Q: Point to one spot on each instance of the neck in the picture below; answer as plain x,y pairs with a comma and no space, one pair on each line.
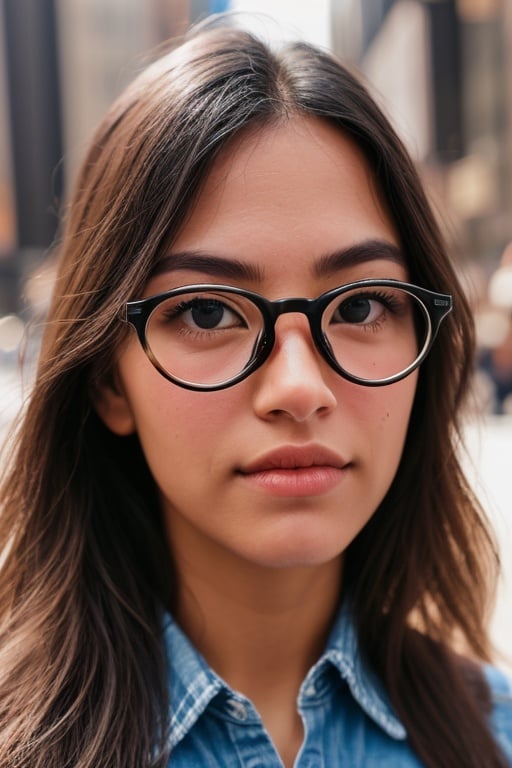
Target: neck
260,629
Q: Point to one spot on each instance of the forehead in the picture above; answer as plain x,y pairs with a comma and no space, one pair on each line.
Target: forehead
286,193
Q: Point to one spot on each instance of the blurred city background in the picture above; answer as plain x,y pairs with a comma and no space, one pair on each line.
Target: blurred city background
441,69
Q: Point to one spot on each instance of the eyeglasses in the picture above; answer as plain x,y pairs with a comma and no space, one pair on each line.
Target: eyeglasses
209,337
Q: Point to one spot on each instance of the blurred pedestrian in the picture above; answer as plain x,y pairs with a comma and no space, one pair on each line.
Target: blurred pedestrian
495,358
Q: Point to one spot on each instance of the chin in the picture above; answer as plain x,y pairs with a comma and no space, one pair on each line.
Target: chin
291,553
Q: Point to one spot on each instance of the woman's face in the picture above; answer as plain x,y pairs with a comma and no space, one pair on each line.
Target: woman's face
285,468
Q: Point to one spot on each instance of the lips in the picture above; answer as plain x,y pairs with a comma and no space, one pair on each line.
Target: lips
295,457
296,471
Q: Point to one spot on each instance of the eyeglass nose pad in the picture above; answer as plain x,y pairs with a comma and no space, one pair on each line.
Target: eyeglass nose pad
323,345
261,347
327,345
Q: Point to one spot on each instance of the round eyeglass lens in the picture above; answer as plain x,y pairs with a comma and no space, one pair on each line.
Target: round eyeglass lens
204,338
376,332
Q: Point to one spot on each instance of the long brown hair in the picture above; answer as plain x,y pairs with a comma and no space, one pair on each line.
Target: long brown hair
85,572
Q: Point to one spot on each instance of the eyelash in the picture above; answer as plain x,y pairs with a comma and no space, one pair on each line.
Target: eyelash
389,303
185,306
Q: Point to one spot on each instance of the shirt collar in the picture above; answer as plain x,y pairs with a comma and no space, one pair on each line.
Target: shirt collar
343,652
193,684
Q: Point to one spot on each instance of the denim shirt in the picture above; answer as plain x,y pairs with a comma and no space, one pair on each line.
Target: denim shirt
347,717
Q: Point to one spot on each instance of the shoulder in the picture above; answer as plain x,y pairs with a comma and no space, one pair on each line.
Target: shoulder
500,686
499,683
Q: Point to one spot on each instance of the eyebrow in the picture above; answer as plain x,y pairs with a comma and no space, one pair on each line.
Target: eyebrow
354,255
216,266
234,269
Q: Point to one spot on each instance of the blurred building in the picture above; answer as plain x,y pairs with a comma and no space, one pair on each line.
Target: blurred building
62,63
442,69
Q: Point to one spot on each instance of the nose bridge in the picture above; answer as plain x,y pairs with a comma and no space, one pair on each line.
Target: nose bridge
299,306
284,306
293,382
296,340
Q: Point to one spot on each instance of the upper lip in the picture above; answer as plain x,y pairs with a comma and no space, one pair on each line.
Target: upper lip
295,457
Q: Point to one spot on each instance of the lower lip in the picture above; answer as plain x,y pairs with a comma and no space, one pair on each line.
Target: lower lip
304,481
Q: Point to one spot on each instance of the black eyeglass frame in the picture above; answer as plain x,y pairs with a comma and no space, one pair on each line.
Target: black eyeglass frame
435,306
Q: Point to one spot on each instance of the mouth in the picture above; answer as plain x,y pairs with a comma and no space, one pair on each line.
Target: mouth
296,471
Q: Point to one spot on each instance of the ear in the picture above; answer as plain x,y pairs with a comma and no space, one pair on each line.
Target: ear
112,405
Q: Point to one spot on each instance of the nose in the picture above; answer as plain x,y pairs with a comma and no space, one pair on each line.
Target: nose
292,381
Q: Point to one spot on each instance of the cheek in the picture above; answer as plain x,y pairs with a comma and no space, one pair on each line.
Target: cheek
194,413
393,424
381,419
177,427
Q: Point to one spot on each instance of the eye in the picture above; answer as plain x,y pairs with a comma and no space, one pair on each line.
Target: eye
207,314
358,310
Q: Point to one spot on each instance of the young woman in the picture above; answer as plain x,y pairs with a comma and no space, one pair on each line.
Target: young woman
235,528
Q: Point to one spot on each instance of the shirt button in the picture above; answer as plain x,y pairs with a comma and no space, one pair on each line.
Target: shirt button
236,709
